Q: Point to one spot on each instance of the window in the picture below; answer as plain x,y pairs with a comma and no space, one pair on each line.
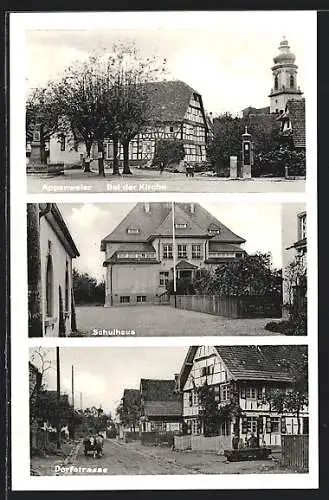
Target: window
182,252
141,298
171,129
67,291
251,424
276,82
124,299
62,142
292,82
251,393
225,392
217,393
133,230
180,226
49,286
167,251
196,251
164,278
195,398
275,424
207,370
195,427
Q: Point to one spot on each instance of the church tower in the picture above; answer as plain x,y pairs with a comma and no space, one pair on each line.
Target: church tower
284,74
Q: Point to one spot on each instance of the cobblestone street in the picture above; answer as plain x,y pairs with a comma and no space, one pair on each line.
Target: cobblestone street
164,320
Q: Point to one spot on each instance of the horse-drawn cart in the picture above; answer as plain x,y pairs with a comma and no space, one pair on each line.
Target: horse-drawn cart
93,445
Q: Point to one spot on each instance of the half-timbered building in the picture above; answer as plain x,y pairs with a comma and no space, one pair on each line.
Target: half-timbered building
239,378
139,253
176,112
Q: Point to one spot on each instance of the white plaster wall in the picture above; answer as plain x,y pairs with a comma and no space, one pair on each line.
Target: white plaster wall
59,258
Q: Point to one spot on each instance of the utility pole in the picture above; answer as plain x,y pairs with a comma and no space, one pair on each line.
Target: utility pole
73,386
58,368
81,400
174,247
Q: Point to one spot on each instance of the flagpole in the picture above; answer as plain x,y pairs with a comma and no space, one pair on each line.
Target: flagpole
174,247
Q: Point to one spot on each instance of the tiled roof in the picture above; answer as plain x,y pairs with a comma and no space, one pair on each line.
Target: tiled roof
297,117
250,363
163,408
159,216
169,100
136,247
131,396
216,246
158,390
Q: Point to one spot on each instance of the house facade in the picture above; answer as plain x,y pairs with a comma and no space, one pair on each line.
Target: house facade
294,243
239,377
140,252
55,253
161,406
176,112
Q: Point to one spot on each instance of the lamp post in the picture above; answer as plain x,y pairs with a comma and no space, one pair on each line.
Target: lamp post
246,155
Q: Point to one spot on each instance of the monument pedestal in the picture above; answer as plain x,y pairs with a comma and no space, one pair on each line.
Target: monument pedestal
233,167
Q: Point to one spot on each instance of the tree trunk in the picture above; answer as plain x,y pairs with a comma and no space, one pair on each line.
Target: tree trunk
101,171
298,422
115,156
34,271
126,169
87,163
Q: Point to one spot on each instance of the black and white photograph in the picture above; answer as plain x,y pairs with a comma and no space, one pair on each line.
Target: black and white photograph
228,409
166,269
170,102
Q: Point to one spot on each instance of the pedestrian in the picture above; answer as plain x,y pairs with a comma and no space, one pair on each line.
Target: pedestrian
253,442
235,441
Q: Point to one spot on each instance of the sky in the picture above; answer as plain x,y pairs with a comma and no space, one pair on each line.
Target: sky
102,373
259,224
225,56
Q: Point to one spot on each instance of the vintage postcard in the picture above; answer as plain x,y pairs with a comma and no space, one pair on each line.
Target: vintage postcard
163,250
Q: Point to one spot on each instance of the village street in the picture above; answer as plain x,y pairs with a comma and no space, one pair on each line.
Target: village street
135,459
162,321
153,182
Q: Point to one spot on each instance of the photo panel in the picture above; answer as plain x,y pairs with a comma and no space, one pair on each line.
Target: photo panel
166,269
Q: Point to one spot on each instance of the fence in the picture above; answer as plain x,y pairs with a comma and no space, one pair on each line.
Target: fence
231,307
154,438
202,443
295,452
129,436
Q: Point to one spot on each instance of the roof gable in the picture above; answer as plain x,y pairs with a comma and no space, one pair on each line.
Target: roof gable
245,363
168,100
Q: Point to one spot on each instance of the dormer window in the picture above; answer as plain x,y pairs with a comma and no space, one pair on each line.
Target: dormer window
180,226
133,230
212,230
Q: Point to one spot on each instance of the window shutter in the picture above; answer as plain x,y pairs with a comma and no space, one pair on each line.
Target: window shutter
259,393
260,427
283,425
268,425
244,425
243,392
